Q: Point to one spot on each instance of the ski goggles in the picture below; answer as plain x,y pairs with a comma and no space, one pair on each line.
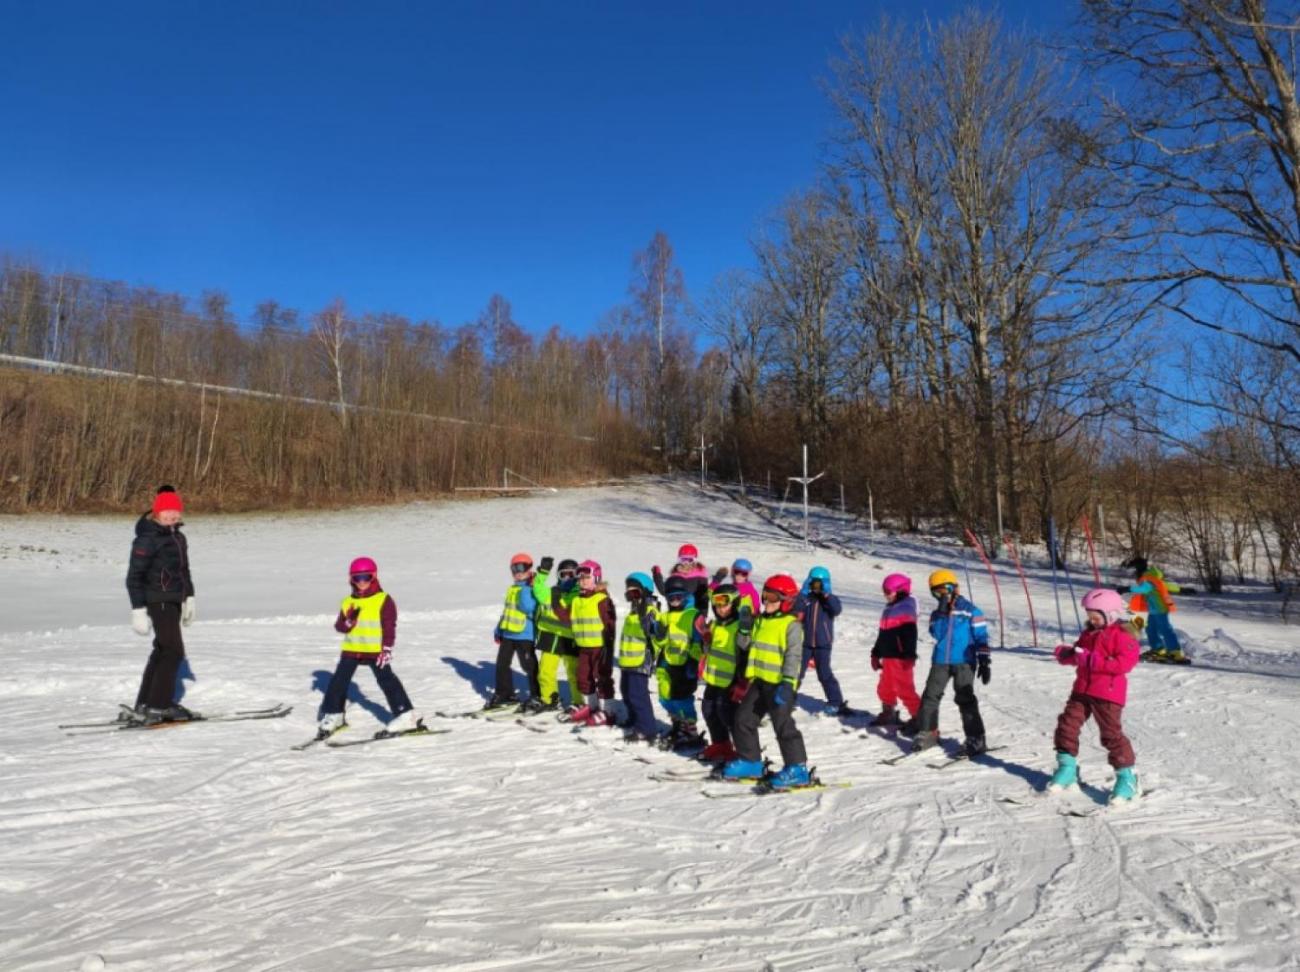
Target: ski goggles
568,573
363,578
943,590
584,572
722,600
520,568
635,593
685,560
772,597
739,573
677,597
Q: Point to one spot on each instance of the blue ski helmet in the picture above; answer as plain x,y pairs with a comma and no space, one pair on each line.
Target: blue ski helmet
743,565
642,581
818,574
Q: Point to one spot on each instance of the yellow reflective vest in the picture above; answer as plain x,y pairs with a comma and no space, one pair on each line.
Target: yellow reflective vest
767,649
547,620
367,635
676,642
588,626
513,619
720,661
632,642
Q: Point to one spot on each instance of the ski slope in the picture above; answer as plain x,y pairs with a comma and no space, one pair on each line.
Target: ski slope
214,847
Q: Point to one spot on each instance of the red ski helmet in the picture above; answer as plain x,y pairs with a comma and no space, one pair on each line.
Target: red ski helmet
362,565
521,560
897,584
688,550
785,587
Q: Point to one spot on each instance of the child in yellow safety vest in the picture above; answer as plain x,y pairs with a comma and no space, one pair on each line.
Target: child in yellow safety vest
591,617
554,638
680,648
515,634
636,658
368,622
775,660
726,644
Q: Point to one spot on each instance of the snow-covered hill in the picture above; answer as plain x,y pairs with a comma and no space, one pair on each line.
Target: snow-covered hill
215,847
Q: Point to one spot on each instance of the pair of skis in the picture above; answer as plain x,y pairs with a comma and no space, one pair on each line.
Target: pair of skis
381,736
945,763
1066,806
129,720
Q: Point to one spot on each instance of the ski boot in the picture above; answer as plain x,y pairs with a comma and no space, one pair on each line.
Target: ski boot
1126,787
1067,773
910,728
329,724
791,777
718,752
1176,657
632,738
888,717
743,770
974,746
831,709
577,713
925,739
688,737
1154,655
536,706
408,721
599,717
500,701
129,714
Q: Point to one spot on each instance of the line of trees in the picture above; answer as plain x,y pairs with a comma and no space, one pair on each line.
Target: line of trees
1030,281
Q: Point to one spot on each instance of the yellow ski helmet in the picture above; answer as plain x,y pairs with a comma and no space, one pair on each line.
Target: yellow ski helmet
943,578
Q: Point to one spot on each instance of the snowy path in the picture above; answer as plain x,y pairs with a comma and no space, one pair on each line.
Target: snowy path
216,848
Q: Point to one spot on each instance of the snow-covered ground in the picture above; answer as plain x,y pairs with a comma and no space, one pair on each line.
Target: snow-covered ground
215,847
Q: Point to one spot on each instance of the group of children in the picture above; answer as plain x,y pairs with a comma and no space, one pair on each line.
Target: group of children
751,648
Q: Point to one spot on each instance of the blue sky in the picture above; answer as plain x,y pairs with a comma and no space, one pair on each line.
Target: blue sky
411,157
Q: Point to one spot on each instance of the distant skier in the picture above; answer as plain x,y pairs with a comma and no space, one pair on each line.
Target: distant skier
772,670
961,653
1103,655
515,635
636,658
817,609
894,655
1154,594
161,589
593,620
367,620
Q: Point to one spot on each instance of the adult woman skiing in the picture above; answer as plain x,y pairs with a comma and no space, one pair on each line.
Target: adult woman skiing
161,589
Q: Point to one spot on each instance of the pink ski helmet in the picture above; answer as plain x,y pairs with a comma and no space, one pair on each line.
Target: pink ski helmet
363,565
591,567
1106,601
897,584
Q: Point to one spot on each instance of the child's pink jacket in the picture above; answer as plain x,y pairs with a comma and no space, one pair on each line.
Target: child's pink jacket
1103,659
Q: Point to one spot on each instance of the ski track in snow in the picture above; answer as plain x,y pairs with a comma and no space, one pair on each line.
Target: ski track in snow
217,848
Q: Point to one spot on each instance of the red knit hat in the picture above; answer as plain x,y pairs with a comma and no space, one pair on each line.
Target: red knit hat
167,500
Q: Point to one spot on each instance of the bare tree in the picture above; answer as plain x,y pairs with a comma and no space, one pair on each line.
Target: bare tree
332,330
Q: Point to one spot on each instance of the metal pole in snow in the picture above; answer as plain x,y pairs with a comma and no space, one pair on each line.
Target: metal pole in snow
1001,532
843,508
701,460
871,512
805,495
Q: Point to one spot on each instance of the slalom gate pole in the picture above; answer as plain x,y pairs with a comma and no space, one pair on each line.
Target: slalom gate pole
970,588
997,591
1065,569
1056,588
1015,558
1092,550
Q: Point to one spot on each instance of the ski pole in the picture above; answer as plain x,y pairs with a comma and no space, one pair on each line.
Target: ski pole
1015,558
1056,588
1065,569
997,591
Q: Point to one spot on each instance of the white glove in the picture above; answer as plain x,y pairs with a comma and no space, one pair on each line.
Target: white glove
140,622
187,611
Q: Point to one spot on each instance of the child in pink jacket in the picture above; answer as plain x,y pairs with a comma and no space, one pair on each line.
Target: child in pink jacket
1103,655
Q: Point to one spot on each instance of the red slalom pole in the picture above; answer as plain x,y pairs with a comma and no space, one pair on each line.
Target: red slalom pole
1015,557
997,591
1092,551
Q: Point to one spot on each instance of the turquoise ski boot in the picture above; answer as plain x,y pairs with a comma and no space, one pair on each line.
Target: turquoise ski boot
791,777
1126,788
1067,773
